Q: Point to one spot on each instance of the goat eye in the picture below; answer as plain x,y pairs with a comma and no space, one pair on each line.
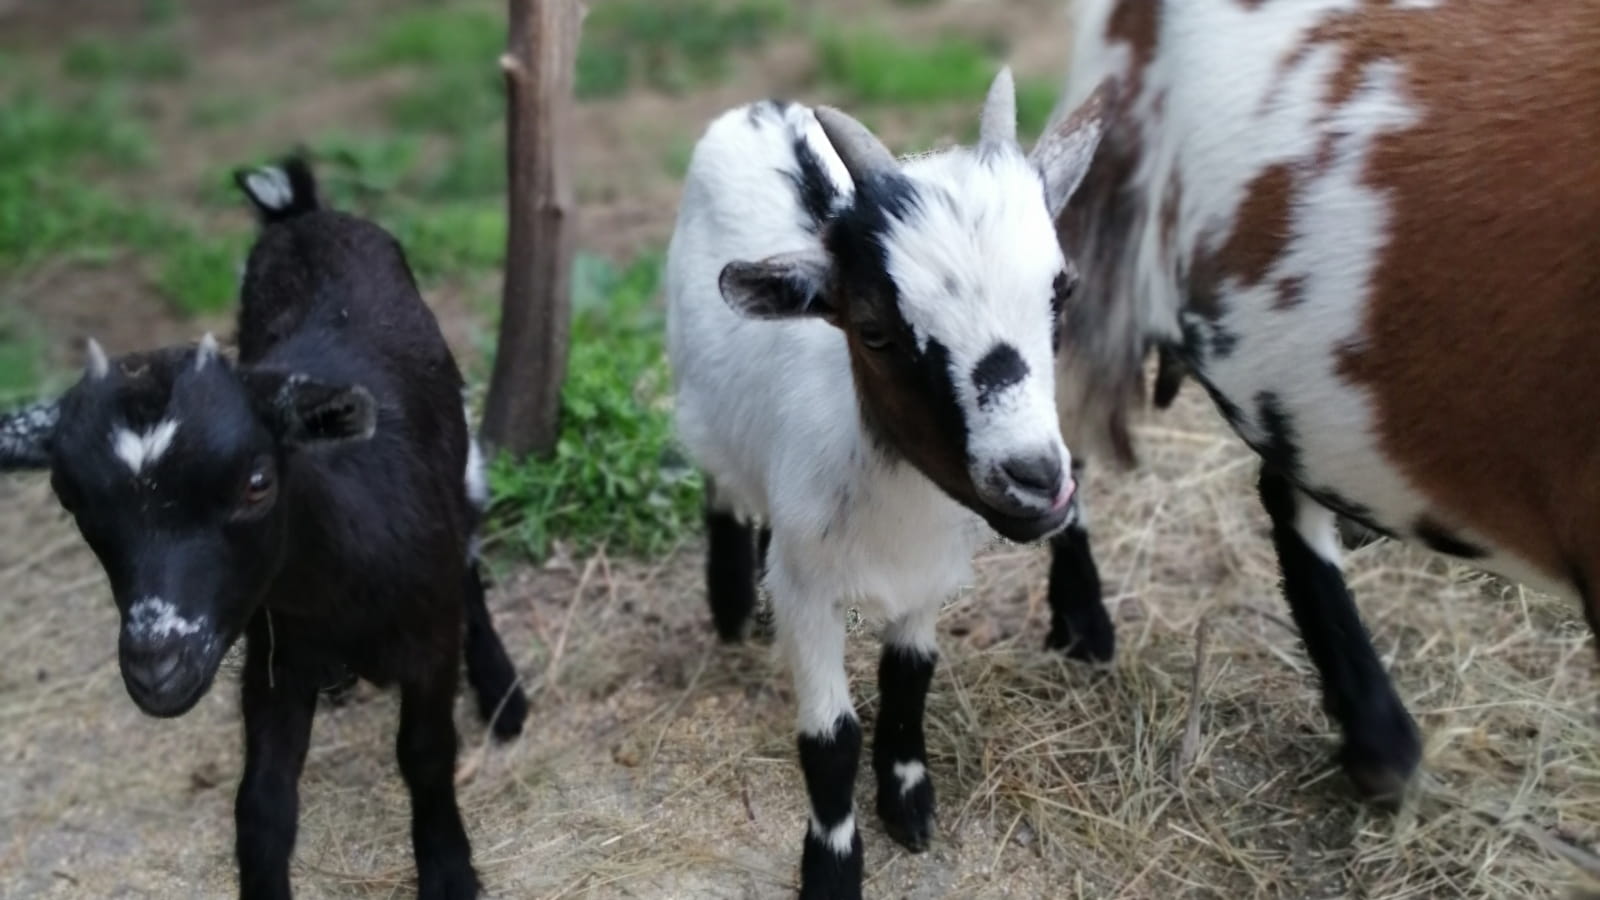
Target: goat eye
259,486
872,337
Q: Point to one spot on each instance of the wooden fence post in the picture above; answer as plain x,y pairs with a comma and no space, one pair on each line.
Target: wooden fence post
522,413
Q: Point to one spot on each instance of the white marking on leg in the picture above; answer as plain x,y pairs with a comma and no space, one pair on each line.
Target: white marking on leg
477,477
916,630
1318,527
140,450
840,838
270,186
154,617
911,774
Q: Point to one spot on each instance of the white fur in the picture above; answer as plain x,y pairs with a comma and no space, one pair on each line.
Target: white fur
910,774
140,450
477,475
1229,109
840,837
153,617
207,351
270,186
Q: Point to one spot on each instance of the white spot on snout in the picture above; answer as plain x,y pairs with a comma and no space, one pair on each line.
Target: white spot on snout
911,774
140,450
154,617
838,838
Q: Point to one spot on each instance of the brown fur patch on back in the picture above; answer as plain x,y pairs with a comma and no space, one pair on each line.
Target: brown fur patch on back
1483,324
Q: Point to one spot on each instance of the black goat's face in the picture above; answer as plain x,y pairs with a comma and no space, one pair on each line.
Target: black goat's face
171,463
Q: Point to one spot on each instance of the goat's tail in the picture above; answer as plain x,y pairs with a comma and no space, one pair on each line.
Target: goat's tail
280,191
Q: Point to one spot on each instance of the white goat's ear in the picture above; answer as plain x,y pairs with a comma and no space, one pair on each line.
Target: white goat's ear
1064,152
301,410
785,286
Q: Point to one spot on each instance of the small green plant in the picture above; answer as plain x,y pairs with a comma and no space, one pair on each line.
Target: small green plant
451,240
153,58
475,168
615,478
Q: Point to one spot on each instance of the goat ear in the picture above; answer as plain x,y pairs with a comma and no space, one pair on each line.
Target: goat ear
303,411
785,286
1066,149
25,436
279,191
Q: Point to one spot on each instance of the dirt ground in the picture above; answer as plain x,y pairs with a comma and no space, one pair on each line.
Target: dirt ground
659,764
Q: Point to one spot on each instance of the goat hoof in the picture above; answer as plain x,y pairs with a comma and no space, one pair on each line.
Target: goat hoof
907,813
1381,760
512,713
1092,641
452,883
827,874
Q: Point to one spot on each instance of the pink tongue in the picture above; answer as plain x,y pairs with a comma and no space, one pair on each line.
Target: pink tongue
1066,496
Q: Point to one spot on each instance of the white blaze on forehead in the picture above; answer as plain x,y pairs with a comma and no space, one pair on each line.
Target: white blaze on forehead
154,617
975,266
143,449
840,837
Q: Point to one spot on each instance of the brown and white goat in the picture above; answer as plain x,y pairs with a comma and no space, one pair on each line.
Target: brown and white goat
1371,230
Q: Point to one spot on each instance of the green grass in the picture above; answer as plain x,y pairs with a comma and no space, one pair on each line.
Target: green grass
669,46
475,168
869,66
432,37
22,359
451,240
143,58
199,274
615,477
450,101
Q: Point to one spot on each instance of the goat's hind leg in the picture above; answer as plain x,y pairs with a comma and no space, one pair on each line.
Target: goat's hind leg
732,566
1381,746
501,701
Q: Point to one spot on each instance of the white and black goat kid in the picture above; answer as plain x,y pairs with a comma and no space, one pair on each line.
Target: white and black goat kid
310,498
862,352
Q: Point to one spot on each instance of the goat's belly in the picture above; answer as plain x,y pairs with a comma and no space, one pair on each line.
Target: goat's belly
1319,430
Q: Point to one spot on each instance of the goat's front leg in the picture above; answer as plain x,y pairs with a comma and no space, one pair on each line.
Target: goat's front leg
1079,624
427,752
899,755
279,702
812,632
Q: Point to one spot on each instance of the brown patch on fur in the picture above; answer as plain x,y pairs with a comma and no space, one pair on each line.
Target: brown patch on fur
1483,322
1136,23
1261,229
1291,293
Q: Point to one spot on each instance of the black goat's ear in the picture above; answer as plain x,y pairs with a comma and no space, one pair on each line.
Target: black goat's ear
785,286
303,411
25,436
280,191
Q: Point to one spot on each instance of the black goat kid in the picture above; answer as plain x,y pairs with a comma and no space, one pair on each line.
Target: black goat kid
319,498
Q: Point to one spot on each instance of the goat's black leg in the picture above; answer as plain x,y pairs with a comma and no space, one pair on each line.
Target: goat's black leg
489,670
1079,623
1381,746
279,703
899,754
731,567
427,752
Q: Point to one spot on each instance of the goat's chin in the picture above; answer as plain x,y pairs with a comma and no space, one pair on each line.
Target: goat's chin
174,703
1028,529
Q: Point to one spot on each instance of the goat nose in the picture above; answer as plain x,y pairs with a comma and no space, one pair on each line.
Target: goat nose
1039,475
